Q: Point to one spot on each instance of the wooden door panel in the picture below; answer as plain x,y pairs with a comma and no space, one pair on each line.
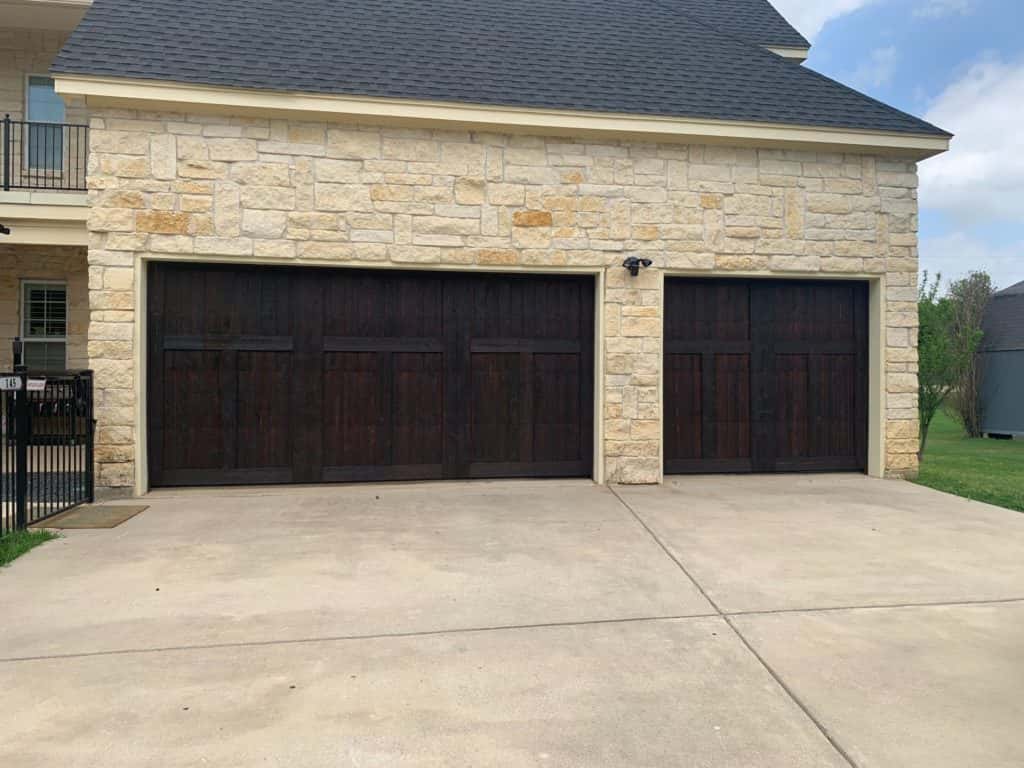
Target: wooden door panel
783,375
832,380
557,420
355,410
264,418
531,390
731,407
792,416
192,395
418,416
496,412
264,374
683,408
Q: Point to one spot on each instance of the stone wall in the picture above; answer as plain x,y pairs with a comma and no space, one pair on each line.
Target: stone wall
19,263
176,186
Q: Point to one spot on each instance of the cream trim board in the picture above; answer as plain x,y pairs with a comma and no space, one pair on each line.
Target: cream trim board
177,97
140,362
877,416
44,218
29,232
60,15
665,274
382,265
790,52
54,206
141,432
877,419
600,470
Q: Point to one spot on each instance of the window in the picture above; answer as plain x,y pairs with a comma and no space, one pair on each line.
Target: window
45,144
45,326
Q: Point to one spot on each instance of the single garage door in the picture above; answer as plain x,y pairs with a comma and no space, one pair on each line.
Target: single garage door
289,375
765,376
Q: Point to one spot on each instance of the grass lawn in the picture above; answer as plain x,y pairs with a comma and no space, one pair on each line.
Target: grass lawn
983,470
14,545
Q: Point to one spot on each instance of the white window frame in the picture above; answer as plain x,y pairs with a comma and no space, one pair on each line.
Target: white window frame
26,282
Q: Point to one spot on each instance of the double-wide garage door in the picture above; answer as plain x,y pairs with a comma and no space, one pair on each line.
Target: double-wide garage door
765,376
288,375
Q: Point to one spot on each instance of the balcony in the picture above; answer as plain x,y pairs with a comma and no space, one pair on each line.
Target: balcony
43,183
48,157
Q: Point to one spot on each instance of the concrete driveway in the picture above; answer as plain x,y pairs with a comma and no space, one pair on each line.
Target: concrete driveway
713,622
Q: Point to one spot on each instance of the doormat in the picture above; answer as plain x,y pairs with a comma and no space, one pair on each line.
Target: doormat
92,516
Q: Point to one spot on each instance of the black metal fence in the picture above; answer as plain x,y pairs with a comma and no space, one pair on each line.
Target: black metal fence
46,445
44,156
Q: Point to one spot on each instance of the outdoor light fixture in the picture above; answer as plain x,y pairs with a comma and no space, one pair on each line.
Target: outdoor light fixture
4,230
633,264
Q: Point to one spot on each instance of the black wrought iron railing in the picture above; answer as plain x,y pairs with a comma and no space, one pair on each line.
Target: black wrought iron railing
46,156
46,445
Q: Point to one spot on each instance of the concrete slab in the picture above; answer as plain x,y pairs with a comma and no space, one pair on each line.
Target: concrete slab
202,568
935,687
643,694
761,543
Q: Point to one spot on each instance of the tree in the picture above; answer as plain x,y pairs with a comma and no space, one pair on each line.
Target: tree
969,299
938,365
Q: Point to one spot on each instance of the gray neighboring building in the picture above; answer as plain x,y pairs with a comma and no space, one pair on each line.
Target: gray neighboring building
1002,389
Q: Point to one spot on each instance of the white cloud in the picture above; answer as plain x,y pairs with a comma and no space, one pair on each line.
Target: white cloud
937,9
957,254
982,177
877,69
809,16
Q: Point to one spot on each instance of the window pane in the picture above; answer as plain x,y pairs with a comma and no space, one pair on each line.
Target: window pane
45,356
45,142
45,311
44,104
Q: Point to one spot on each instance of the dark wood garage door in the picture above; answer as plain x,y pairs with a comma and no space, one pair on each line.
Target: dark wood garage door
765,376
281,375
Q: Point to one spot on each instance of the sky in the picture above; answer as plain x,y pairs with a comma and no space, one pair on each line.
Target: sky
960,65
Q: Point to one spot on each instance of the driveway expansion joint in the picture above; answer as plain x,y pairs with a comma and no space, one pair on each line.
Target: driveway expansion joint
353,638
726,618
878,607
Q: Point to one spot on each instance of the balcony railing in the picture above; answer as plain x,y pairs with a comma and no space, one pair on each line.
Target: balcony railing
44,156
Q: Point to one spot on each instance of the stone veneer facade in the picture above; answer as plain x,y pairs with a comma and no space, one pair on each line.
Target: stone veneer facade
221,188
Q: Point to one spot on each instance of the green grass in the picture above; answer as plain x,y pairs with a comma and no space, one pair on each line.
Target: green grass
14,545
983,470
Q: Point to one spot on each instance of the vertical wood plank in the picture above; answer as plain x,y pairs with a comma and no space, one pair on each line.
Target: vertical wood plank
526,410
763,376
307,308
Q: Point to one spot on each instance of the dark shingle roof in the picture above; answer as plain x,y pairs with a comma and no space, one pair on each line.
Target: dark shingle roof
645,57
755,21
1004,320
1014,290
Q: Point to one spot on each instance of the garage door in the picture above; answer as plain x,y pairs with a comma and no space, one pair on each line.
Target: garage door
765,376
280,375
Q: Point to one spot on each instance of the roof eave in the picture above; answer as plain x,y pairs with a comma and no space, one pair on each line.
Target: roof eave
790,52
188,97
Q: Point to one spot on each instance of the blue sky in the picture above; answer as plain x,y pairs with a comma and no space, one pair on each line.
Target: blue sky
959,64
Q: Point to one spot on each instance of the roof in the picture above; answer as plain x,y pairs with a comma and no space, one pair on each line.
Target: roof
1004,320
635,57
1014,290
755,21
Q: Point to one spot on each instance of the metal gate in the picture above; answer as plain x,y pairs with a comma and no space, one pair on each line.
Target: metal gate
46,445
